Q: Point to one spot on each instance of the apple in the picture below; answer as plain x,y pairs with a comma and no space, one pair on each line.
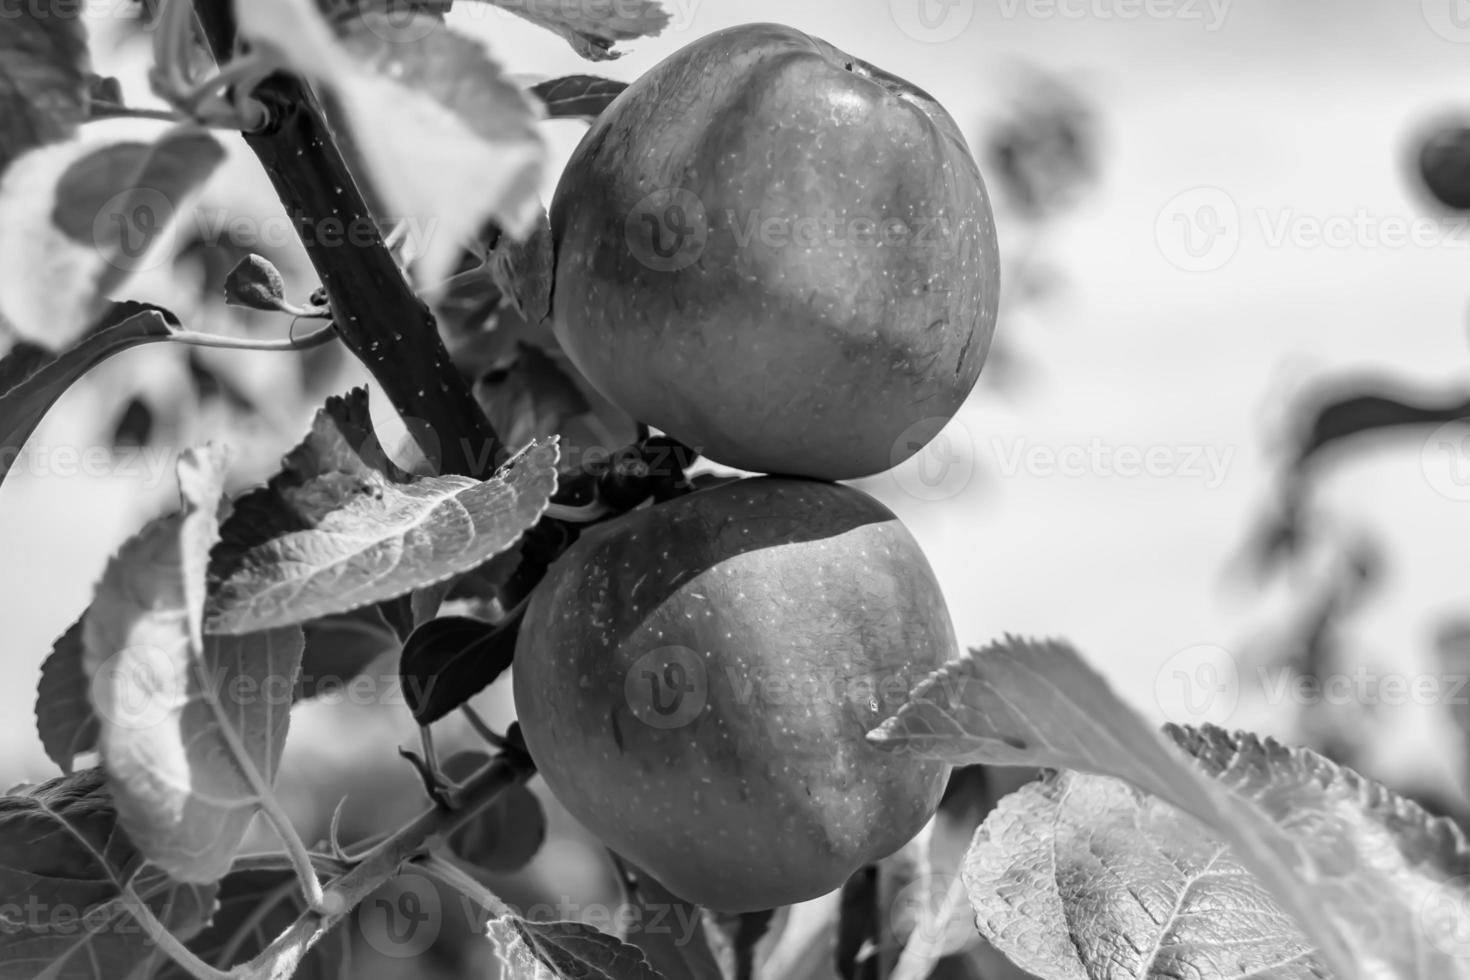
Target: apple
695,680
778,254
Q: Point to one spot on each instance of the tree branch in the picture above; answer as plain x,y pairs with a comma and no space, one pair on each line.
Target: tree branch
376,312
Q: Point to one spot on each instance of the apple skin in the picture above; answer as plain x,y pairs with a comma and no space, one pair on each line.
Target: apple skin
802,352
800,614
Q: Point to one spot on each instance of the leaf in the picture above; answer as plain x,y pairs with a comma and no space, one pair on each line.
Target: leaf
445,138
1026,703
134,427
64,862
583,96
64,717
592,28
340,527
255,283
504,836
529,397
191,730
448,661
254,908
31,381
78,219
1352,410
43,76
340,647
1086,878
570,949
523,270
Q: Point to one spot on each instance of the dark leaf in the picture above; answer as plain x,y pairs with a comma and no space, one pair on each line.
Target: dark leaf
64,716
448,661
530,397
43,75
583,96
1335,417
340,647
503,837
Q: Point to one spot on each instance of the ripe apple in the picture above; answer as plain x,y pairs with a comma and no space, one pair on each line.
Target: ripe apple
779,254
695,681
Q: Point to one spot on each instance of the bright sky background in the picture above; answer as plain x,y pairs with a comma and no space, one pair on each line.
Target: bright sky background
1282,112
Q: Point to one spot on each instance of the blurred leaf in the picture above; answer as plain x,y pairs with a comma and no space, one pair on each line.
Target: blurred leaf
442,134
448,661
341,527
104,88
1349,860
1444,166
668,931
64,716
31,381
583,96
254,908
592,29
529,397
1348,411
506,835
134,426
80,218
44,67
1082,877
64,862
209,385
191,729
735,937
340,647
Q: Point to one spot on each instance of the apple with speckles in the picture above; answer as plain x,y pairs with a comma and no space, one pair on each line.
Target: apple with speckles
695,681
779,254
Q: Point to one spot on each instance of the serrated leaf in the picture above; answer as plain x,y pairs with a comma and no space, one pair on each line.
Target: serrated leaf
64,863
341,527
31,380
504,836
80,218
578,96
64,717
1086,878
448,661
1038,704
254,908
340,647
191,730
570,949
592,28
44,69
446,139
256,284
